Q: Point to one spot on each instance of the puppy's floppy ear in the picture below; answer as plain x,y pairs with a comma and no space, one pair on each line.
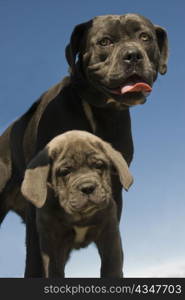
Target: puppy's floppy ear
73,48
119,163
163,48
34,186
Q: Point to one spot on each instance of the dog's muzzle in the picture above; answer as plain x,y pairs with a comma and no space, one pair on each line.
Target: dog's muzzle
87,196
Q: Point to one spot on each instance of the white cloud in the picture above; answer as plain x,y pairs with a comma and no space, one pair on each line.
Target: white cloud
165,269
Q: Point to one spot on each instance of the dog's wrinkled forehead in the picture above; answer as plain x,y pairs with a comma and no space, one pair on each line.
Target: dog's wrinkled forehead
119,24
78,154
74,147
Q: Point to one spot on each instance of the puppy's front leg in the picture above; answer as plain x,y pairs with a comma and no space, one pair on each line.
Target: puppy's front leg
57,264
54,259
110,250
53,267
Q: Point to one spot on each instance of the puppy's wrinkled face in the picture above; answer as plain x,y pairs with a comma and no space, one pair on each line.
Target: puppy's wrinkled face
121,57
81,179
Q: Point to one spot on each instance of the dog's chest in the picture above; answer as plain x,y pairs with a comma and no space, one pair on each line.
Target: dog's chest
80,233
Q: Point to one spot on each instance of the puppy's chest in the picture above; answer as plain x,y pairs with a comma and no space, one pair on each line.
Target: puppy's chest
83,235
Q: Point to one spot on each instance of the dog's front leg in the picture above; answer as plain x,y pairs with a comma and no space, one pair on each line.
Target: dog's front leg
53,265
34,266
57,265
55,254
110,250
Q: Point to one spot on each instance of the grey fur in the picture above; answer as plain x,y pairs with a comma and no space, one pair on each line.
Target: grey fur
69,182
83,101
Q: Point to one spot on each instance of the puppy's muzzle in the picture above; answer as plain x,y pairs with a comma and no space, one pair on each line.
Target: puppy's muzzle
91,196
88,188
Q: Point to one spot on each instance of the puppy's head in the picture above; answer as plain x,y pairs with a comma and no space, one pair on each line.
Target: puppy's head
120,57
77,166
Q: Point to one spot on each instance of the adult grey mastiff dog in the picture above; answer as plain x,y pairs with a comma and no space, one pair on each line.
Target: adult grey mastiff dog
114,61
69,182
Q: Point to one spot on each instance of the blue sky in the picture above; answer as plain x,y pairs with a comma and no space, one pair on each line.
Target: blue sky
33,38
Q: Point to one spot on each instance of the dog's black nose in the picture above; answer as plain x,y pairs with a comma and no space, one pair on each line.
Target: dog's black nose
88,188
132,56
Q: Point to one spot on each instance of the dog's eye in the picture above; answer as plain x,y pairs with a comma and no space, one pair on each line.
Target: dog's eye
105,42
100,165
64,172
145,37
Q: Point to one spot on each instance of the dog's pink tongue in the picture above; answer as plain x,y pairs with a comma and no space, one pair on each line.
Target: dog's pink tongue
137,87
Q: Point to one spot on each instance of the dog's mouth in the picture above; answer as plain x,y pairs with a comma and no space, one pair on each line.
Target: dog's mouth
88,209
133,84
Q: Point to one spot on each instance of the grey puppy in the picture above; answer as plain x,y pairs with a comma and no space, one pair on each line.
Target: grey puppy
70,184
114,61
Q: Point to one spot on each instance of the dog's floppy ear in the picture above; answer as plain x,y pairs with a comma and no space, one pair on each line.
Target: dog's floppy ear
119,163
73,48
163,48
34,186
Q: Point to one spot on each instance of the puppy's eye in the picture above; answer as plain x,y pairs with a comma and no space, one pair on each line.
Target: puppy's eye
64,172
145,37
105,42
100,165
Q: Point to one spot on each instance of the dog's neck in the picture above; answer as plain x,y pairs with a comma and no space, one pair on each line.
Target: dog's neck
89,114
97,104
110,122
96,98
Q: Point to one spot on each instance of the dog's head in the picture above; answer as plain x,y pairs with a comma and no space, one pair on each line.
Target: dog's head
120,57
77,166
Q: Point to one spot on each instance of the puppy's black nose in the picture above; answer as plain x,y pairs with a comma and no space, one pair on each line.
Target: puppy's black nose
88,188
132,56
